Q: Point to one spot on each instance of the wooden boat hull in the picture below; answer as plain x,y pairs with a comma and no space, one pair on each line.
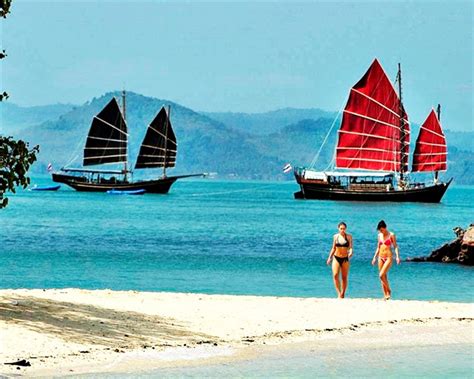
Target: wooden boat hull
80,183
427,194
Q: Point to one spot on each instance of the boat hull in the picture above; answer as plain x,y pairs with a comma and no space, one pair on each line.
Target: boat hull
47,188
427,194
134,193
81,184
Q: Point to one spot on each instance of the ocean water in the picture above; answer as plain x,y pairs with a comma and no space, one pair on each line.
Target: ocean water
229,237
311,362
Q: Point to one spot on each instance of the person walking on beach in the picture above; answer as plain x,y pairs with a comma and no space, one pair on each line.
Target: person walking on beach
340,253
385,241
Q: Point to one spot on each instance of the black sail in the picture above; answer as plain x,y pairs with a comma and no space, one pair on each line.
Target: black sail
107,138
159,146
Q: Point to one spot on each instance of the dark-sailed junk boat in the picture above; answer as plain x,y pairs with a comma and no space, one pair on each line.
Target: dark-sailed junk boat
374,136
107,143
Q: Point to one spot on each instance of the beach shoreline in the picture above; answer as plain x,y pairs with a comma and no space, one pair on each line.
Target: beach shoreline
75,331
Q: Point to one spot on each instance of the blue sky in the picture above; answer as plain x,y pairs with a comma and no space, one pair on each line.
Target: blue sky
240,56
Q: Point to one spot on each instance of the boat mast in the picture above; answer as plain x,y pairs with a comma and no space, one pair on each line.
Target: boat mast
438,111
124,109
402,126
166,140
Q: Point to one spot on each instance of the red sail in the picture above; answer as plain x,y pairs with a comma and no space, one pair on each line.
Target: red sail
370,136
430,150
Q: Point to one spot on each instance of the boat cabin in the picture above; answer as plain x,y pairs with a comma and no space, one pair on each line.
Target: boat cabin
355,181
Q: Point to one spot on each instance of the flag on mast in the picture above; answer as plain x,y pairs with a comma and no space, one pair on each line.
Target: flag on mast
287,168
50,167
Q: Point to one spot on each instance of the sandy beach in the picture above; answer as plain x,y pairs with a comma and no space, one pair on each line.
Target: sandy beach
73,331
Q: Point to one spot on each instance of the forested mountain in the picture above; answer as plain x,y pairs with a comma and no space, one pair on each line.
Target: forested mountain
231,144
14,118
203,143
268,122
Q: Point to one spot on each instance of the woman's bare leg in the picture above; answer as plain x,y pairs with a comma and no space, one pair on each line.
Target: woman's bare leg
383,275
345,277
335,276
384,287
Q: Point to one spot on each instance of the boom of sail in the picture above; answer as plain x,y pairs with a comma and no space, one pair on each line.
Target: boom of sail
374,133
107,138
430,150
159,146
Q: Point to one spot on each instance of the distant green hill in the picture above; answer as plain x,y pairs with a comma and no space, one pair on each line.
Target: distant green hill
298,143
203,143
233,145
14,118
268,122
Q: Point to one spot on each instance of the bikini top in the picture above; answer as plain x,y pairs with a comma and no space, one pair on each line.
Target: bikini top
338,244
387,242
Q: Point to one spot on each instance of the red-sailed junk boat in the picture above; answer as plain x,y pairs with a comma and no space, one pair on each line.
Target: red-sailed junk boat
374,136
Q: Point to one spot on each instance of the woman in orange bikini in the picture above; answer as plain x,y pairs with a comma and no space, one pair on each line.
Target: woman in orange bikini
341,251
385,241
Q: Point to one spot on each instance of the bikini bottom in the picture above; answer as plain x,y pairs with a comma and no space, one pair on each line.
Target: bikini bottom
384,259
341,260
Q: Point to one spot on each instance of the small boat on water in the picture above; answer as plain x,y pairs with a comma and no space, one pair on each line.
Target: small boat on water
373,145
45,188
107,143
130,192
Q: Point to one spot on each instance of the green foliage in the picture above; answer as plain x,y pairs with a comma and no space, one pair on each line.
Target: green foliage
15,156
5,8
15,160
4,95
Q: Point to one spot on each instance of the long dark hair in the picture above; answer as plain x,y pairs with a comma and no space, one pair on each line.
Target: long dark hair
381,224
342,223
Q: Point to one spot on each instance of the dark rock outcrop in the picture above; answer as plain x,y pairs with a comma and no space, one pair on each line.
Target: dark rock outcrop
459,250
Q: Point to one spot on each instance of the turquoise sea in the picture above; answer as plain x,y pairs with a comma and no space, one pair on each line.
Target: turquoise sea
240,238
227,237
310,361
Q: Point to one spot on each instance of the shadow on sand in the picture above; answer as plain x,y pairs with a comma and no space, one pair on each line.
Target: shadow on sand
87,324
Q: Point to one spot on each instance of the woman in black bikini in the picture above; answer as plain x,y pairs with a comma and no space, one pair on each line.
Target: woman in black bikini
385,241
340,253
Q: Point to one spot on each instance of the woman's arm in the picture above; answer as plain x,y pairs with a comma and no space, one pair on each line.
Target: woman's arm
333,250
395,245
350,250
376,252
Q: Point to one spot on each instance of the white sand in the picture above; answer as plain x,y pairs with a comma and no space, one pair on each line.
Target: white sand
78,331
